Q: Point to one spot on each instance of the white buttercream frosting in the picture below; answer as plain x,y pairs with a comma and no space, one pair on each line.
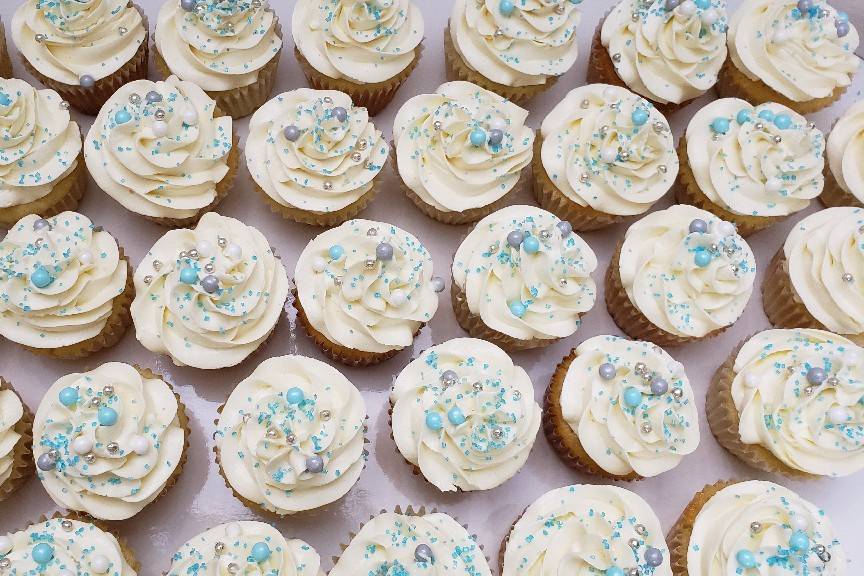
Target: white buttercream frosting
11,412
845,151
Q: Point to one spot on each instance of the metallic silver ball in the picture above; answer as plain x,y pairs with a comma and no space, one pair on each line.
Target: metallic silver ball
755,527
356,157
159,114
188,5
678,393
152,97
325,415
607,371
113,447
633,543
122,30
67,525
646,428
847,277
585,104
108,390
759,126
210,284
64,105
478,386
148,279
219,547
370,263
86,81
90,458
659,386
41,224
314,464
46,462
328,185
384,251
640,368
584,178
134,98
40,37
653,556
616,57
423,553
496,137
291,132
437,284
340,113
641,529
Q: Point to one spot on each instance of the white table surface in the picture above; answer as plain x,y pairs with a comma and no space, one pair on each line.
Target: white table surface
200,499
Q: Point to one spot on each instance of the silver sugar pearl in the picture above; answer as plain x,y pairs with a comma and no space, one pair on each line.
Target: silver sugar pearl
497,433
493,248
584,178
362,145
634,16
659,127
328,185
324,415
641,530
134,98
315,464
640,368
585,104
562,282
778,139
662,169
157,265
832,381
499,32
678,393
291,438
219,548
327,100
437,125
122,30
159,114
646,428
616,57
64,105
356,157
5,563
809,390
478,386
848,278
148,279
758,126
112,447
193,254
272,433
95,402
40,37
755,527
370,263
559,8
423,554
108,390
67,525
633,543
517,395
437,284
811,125
221,241
233,568
337,280
209,267
634,572
90,458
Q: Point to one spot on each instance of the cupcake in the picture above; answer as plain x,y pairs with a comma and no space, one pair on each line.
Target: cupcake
603,154
844,171
620,409
231,50
110,441
667,51
815,280
517,49
464,416
522,279
754,527
210,296
16,427
416,541
800,54
364,290
348,45
163,150
65,286
787,401
617,533
83,50
750,165
41,165
66,545
290,436
5,61
680,275
245,547
462,152
314,157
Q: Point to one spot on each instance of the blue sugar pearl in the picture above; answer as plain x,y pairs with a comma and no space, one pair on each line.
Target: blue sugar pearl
433,421
153,97
531,244
456,416
746,559
607,371
260,552
698,226
514,238
783,121
478,137
42,553
122,116
295,395
799,541
703,4
340,113
614,571
291,132
653,556
816,375
496,137
68,396
659,386
842,29
336,252
720,125
702,258
384,251
506,7
518,309
106,416
766,115
743,116
188,275
188,5
639,116
632,396
41,278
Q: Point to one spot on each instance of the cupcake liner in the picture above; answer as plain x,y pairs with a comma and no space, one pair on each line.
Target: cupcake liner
833,195
733,83
374,96
678,538
327,219
781,302
724,421
23,463
90,100
5,60
563,440
688,192
65,195
457,69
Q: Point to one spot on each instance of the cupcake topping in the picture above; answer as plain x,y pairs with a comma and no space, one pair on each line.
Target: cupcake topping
607,148
846,151
11,412
462,147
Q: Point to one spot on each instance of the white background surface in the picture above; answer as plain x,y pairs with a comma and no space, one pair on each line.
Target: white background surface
200,499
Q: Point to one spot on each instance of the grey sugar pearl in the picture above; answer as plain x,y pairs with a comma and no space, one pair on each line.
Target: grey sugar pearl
314,464
291,132
698,226
514,238
496,136
672,4
659,386
565,227
340,113
842,29
607,371
46,462
40,224
188,5
653,556
816,375
153,97
805,5
210,284
384,251
86,81
423,553
437,284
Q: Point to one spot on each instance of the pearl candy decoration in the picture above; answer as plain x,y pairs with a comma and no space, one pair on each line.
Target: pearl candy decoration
190,116
423,554
140,445
85,258
5,545
837,415
159,128
82,445
398,297
315,464
99,564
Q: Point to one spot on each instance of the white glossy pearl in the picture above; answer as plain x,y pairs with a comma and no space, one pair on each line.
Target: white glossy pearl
140,445
751,380
799,522
608,155
398,297
774,185
687,8
610,94
497,124
851,358
160,128
837,415
85,258
781,36
82,445
724,229
190,116
233,530
99,564
319,264
710,16
5,544
233,251
204,248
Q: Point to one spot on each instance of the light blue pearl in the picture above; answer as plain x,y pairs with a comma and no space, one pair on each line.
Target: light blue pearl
433,421
782,121
42,553
702,258
639,116
295,395
720,125
260,552
842,16
632,396
614,571
799,541
106,416
122,116
506,7
336,252
743,116
703,4
41,278
531,244
456,416
746,559
766,115
68,396
189,275
518,309
478,137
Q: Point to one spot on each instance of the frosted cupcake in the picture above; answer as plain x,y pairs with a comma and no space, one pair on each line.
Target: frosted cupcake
83,50
667,51
844,171
522,279
163,150
754,527
621,409
210,296
65,286
679,275
290,437
16,426
314,156
62,545
816,279
231,50
413,542
603,154
245,547
41,165
5,61
750,165
797,53
364,50
517,49
464,416
788,401
364,290
619,532
110,441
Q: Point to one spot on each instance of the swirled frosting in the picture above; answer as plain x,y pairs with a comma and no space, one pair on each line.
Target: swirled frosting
108,470
813,428
358,300
77,547
437,159
389,544
485,404
601,519
768,163
801,56
668,56
648,438
78,38
362,42
607,148
332,161
290,437
687,283
725,526
58,282
212,553
845,151
166,168
40,143
825,255
522,293
11,412
220,46
535,41
209,296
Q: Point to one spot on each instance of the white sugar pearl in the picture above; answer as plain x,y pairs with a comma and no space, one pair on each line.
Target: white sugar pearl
837,415
233,530
319,264
233,251
799,522
82,445
85,258
710,16
781,36
204,248
724,228
99,564
610,94
774,185
160,128
687,8
608,154
190,116
497,124
851,358
751,380
140,445
5,544
398,297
